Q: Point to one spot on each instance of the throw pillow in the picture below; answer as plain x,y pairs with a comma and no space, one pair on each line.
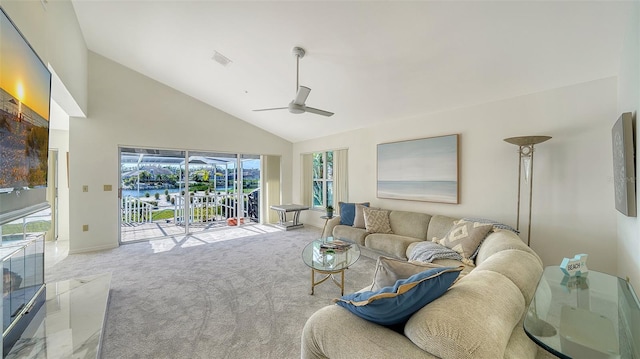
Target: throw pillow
390,270
377,221
465,237
348,212
395,305
358,220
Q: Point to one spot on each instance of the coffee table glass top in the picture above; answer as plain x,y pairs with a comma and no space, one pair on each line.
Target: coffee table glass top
329,260
593,316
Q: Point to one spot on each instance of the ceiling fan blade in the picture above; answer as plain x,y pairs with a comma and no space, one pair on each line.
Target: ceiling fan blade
271,109
301,96
318,112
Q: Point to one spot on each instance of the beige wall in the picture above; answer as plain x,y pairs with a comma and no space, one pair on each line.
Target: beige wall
629,101
129,109
573,209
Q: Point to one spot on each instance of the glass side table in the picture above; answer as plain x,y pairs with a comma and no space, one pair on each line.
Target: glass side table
329,262
594,316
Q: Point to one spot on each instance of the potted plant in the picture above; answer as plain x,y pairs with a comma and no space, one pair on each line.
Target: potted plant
329,211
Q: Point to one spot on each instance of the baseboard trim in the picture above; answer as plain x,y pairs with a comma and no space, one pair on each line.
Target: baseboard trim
92,249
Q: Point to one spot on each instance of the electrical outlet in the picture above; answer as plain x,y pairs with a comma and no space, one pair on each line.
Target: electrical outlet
85,227
107,188
85,188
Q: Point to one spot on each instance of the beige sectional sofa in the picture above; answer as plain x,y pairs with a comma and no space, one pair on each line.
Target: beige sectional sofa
480,316
407,227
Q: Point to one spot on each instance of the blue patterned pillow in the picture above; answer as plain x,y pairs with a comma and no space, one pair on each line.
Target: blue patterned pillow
348,212
395,305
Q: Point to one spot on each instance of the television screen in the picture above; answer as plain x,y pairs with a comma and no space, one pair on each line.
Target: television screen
25,92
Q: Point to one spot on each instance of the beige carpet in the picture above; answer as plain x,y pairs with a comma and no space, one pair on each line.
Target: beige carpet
241,293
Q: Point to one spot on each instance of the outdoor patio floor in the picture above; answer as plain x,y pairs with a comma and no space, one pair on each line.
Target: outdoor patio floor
157,229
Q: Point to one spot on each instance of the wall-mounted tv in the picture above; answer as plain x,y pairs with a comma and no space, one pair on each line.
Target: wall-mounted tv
25,92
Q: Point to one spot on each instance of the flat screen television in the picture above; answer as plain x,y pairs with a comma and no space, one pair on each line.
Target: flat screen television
25,93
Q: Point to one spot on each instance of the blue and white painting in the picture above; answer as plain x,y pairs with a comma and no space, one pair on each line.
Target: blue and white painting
420,170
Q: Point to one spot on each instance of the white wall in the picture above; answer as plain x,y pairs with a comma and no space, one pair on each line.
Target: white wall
129,109
59,140
629,101
54,33
573,208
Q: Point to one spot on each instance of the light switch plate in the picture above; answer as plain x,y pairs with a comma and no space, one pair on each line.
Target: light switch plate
85,188
107,187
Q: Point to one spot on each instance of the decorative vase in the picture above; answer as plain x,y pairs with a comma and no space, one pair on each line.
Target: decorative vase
329,213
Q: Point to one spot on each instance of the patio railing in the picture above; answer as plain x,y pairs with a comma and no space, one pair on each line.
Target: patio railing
204,207
135,211
215,206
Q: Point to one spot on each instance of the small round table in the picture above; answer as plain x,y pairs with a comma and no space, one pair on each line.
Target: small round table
329,261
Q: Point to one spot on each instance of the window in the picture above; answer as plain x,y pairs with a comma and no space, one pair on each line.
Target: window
322,179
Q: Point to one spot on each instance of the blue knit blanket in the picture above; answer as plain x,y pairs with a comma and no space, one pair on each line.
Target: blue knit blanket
430,251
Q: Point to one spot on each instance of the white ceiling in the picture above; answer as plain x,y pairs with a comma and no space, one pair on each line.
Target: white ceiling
366,61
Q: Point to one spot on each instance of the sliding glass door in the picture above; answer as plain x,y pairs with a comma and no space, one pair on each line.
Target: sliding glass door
172,192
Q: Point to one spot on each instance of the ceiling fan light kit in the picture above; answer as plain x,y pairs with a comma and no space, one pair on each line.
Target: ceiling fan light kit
298,105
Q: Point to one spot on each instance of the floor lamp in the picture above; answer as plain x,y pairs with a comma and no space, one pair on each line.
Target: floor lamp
525,151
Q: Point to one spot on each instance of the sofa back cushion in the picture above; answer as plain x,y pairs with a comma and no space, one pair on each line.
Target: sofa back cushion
500,240
409,224
439,226
350,233
474,319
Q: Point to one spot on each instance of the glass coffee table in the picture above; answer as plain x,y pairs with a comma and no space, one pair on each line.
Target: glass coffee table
593,316
329,261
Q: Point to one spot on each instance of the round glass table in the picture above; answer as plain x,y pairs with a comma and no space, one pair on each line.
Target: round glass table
329,256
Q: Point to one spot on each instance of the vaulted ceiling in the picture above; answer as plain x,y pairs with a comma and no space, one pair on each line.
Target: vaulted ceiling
366,61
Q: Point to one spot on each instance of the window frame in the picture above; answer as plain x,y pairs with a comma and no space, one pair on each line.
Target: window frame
323,179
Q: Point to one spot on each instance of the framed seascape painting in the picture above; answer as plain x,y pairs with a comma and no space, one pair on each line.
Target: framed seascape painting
623,165
419,170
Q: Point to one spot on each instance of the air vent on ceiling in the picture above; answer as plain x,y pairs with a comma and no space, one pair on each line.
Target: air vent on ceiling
221,59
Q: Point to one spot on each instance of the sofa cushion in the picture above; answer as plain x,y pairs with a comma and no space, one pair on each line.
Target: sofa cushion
474,319
409,224
390,270
464,237
348,212
439,226
394,305
391,244
349,233
522,268
500,240
377,221
358,219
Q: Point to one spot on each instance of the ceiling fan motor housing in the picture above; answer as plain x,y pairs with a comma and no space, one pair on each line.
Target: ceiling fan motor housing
295,108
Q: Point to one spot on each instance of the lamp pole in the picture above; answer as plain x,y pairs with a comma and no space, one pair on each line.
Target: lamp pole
525,155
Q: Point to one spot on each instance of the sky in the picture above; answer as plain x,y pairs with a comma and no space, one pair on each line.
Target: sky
429,159
22,74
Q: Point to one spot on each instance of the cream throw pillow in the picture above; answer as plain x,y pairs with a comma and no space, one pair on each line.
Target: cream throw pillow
377,221
390,270
358,220
465,237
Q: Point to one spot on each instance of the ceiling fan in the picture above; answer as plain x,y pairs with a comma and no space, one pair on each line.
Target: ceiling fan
302,92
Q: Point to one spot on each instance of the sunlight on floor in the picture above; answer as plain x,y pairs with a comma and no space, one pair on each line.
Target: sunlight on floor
196,239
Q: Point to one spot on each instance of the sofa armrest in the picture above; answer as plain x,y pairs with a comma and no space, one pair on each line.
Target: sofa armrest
333,332
331,223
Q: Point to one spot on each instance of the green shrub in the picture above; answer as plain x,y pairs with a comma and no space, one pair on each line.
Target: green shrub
146,194
157,195
168,197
